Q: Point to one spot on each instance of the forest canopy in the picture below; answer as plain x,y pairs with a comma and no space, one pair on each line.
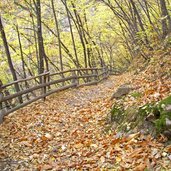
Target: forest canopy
55,35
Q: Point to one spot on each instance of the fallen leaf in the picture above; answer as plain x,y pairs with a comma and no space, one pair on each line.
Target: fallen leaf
102,159
94,145
48,136
118,159
168,149
45,167
140,167
26,143
79,145
131,136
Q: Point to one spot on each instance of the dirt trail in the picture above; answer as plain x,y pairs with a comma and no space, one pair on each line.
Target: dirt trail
67,132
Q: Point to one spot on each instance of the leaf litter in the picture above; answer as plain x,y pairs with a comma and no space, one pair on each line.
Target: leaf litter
67,132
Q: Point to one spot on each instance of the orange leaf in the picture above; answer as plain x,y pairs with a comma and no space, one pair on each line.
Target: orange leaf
45,167
140,167
168,148
79,145
115,141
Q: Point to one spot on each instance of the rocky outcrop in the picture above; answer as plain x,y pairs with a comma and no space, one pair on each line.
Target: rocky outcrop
121,91
152,118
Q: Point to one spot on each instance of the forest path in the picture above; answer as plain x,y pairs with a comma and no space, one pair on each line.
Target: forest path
67,132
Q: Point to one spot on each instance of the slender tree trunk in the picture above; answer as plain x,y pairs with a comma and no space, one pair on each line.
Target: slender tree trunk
22,59
9,58
147,12
80,32
35,40
71,31
21,52
88,45
165,16
63,45
139,20
58,33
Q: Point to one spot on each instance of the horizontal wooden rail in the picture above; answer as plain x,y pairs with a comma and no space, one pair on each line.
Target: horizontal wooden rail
35,88
23,80
37,98
86,69
47,83
87,76
77,69
60,73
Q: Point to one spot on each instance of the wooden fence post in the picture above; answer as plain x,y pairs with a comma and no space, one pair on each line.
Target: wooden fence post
75,78
17,89
44,89
107,71
104,72
2,110
9,103
62,76
48,80
1,95
87,80
96,78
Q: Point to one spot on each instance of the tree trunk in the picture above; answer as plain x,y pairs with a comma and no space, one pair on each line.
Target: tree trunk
42,54
22,59
81,35
71,31
139,20
17,88
58,33
165,15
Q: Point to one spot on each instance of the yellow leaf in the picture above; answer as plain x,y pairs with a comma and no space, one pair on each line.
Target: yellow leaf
118,159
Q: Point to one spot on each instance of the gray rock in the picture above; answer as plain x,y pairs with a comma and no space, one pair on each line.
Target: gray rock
121,91
167,133
168,123
168,108
150,117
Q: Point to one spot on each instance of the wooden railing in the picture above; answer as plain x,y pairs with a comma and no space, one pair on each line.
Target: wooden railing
38,87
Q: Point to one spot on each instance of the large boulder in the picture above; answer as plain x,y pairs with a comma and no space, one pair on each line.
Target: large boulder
121,91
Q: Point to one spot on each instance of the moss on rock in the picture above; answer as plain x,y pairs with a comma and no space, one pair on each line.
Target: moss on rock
135,116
